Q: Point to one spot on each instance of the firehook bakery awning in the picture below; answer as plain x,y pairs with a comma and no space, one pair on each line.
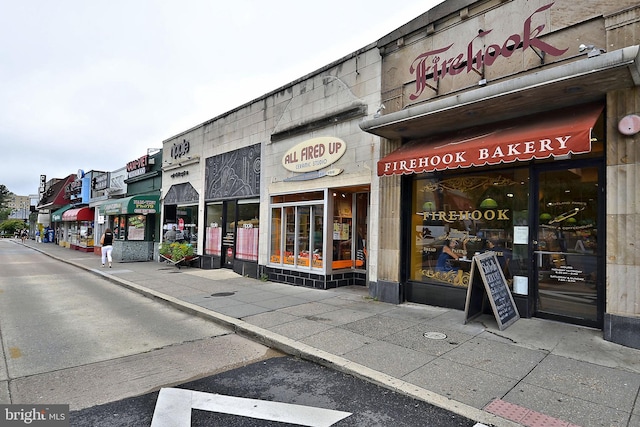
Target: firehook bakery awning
78,214
551,134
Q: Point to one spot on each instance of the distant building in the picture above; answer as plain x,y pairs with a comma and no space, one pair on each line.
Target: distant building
20,206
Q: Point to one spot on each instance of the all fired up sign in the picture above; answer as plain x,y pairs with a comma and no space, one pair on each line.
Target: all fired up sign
314,154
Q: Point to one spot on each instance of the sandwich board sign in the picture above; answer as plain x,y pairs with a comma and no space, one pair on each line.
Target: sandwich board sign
487,282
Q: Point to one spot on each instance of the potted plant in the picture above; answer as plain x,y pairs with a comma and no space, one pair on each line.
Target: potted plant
181,251
165,250
176,252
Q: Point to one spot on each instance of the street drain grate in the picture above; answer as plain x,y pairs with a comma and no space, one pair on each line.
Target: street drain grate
223,294
434,335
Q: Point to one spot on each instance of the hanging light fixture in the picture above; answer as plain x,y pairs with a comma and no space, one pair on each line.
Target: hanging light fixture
488,203
428,206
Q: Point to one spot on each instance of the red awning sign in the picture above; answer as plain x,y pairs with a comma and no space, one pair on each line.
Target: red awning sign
550,134
79,214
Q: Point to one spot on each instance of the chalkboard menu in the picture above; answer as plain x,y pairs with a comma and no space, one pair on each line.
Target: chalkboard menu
487,282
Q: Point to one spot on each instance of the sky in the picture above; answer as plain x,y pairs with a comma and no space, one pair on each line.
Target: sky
93,84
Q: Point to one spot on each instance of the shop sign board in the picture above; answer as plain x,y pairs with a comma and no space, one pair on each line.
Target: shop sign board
314,154
138,167
100,181
144,205
436,64
487,282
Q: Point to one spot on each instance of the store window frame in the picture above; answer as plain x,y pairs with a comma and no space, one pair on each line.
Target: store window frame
487,227
231,230
189,232
321,260
312,261
120,225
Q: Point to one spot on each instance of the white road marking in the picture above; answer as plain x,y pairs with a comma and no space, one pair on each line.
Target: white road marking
174,405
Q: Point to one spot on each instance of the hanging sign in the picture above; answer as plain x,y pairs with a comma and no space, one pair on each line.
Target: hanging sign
487,281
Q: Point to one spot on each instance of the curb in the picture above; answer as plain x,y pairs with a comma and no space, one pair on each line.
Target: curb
303,351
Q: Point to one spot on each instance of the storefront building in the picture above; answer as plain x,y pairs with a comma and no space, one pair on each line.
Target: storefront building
512,127
318,175
134,218
105,186
74,222
182,207
281,186
232,215
77,222
219,195
52,199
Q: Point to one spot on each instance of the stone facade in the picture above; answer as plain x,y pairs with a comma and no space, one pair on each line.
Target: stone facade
466,63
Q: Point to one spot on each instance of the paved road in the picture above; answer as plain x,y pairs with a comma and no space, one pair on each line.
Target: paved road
285,380
69,336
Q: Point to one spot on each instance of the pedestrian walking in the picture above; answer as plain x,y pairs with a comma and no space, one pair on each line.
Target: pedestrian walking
107,246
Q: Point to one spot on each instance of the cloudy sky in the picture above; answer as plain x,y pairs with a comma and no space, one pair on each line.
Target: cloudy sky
94,84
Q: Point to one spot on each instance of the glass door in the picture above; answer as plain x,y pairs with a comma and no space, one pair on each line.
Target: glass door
229,237
568,266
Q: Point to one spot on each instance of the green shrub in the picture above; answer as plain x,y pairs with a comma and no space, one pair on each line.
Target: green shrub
176,251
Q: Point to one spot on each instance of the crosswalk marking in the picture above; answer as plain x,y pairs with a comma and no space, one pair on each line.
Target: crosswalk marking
174,405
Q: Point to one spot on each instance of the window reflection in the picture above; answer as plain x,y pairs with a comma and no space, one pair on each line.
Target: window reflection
457,217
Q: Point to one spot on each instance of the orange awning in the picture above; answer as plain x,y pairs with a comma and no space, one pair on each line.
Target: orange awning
550,134
79,214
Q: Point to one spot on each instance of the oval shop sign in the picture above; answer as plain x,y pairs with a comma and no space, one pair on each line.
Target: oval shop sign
314,154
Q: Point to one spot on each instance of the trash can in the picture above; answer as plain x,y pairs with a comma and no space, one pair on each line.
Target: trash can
50,235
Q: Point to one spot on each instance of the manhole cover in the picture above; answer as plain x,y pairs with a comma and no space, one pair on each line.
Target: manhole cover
434,335
223,294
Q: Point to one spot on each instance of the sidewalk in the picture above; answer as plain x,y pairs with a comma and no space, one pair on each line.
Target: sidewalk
536,372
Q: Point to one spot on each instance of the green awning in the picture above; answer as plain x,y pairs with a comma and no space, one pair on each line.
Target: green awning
141,205
56,216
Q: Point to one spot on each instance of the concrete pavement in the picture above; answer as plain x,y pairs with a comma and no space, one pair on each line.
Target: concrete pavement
534,373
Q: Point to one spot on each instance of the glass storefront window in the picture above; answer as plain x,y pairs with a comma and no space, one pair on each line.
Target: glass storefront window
232,230
129,227
301,236
303,219
186,225
317,249
276,236
136,225
213,238
342,229
86,234
350,211
119,227
248,230
298,197
290,235
292,243
455,217
73,233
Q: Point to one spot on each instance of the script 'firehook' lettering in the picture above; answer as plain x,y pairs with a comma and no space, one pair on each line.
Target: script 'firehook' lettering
431,62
